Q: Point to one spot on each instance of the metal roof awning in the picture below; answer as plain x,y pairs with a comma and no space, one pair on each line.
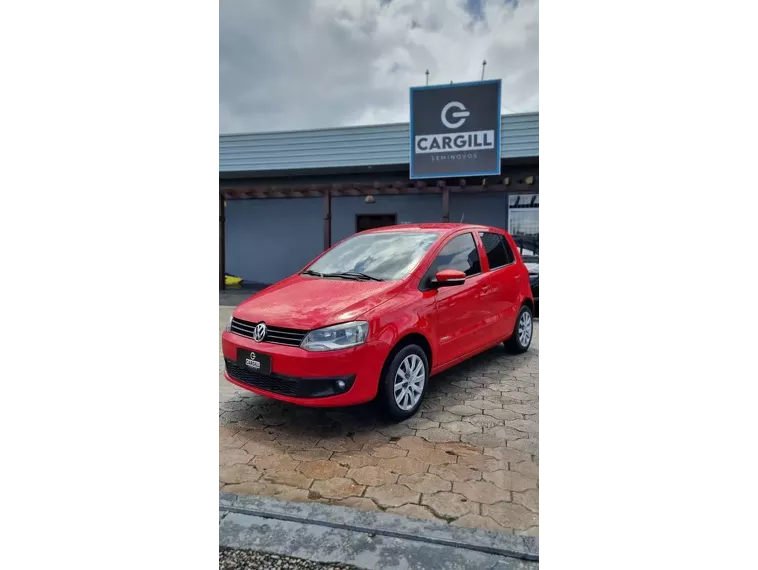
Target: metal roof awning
360,147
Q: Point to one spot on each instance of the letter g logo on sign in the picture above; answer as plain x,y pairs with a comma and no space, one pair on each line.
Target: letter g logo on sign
461,114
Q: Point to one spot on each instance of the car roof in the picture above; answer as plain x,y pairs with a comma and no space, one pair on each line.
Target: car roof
433,227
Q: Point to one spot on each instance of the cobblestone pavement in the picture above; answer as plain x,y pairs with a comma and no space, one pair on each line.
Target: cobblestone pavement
470,456
238,559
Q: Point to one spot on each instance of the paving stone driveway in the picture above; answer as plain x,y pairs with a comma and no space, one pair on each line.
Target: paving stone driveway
470,456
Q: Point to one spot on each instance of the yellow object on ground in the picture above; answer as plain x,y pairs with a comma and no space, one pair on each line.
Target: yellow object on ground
232,280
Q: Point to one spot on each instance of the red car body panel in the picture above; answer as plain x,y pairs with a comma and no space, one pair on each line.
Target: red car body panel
456,321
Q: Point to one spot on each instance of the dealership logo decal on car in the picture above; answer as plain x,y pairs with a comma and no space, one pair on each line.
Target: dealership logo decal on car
260,332
252,362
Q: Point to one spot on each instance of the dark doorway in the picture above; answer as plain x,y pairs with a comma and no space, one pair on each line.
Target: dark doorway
365,222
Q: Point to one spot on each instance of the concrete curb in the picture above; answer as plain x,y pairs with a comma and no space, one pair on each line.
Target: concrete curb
374,539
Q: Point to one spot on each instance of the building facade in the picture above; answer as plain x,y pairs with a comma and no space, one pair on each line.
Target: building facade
286,196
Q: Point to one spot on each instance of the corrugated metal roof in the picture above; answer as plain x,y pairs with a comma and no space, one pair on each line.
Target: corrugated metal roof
353,146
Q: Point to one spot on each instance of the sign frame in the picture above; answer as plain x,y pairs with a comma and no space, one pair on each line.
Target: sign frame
496,172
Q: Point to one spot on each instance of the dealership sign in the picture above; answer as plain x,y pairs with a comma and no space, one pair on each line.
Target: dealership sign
455,130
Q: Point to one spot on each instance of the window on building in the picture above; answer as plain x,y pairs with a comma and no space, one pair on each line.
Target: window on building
460,254
524,214
498,251
524,223
365,222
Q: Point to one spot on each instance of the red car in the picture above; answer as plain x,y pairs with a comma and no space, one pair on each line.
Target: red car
379,313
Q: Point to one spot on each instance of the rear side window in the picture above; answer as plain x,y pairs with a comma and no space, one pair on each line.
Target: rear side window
461,254
498,251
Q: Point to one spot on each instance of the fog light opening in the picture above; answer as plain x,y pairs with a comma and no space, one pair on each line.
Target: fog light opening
340,385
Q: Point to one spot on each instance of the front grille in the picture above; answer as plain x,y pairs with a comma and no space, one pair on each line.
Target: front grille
286,385
275,384
274,335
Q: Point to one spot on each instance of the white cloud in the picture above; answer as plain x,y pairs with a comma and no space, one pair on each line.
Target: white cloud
296,64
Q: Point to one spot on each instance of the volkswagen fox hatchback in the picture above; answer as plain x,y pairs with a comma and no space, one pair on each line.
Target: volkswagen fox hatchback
378,314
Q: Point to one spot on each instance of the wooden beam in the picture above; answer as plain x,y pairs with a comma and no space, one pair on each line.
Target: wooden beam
397,187
327,219
219,280
510,182
221,243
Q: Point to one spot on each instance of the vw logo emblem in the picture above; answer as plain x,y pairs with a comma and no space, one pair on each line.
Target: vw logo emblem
260,332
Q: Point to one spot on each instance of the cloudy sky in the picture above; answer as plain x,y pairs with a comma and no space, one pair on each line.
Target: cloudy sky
298,64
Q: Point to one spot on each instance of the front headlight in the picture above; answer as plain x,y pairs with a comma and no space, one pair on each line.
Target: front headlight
336,337
229,325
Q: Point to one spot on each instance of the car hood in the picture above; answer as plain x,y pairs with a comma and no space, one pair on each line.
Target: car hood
306,303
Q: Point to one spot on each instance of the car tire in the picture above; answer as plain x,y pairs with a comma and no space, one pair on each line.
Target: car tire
523,331
415,367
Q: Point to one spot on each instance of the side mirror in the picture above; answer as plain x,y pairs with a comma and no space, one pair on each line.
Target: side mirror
449,278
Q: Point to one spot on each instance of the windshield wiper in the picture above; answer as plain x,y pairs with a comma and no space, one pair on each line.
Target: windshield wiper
364,276
311,272
353,275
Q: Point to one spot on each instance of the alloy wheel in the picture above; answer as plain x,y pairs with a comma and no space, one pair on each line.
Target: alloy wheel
525,328
409,382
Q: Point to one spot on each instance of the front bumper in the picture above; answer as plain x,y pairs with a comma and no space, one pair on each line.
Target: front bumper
307,378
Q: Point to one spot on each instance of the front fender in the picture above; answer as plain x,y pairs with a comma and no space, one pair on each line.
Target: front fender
405,315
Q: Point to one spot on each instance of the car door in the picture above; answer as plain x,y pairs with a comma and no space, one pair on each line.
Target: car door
458,308
500,285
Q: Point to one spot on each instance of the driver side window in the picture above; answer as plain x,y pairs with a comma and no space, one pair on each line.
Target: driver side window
461,254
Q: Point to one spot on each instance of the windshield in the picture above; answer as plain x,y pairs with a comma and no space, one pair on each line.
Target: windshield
387,256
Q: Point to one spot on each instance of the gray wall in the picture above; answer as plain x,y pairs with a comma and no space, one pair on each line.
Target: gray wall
267,240
487,209
420,208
